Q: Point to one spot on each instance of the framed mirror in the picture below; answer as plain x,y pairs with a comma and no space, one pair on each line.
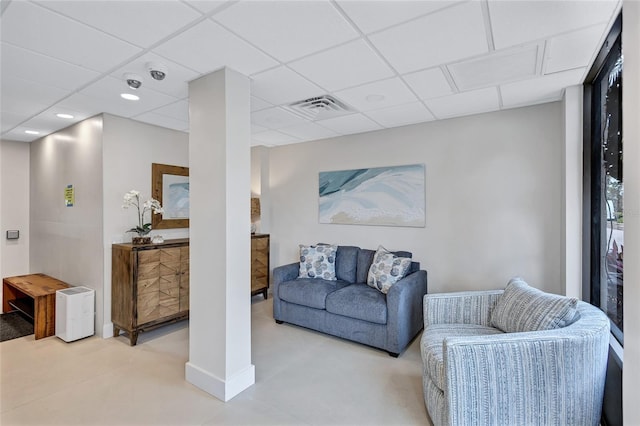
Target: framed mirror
170,186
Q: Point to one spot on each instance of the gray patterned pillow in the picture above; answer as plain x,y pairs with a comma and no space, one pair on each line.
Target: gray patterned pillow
387,269
318,261
524,308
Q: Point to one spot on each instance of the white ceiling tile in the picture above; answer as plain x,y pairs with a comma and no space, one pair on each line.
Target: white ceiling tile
572,50
377,95
517,22
207,46
32,66
429,83
47,121
547,88
344,66
371,16
28,97
401,115
10,119
175,82
162,121
272,137
109,89
257,129
257,104
287,29
142,23
177,110
476,101
19,135
88,105
281,85
499,67
444,36
308,131
205,6
275,118
347,124
33,27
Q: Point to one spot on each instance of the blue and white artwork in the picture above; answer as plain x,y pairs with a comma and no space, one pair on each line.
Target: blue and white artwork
175,196
391,196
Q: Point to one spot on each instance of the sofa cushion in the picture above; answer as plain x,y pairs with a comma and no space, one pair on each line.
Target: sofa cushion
386,270
310,292
318,261
524,308
431,346
359,301
365,258
346,263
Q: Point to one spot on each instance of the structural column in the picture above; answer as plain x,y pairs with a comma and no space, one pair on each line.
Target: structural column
219,180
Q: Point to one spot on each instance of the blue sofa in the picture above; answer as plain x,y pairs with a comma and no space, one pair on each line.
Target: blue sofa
348,307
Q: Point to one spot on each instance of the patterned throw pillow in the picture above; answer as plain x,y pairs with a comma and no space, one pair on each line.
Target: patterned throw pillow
387,269
318,261
524,308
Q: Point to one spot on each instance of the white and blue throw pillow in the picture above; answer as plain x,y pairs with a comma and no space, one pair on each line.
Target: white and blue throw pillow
318,261
524,308
387,269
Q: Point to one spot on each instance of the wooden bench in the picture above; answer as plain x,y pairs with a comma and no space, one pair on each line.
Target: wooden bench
35,296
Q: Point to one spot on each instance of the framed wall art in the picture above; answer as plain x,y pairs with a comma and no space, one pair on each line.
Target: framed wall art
388,196
170,186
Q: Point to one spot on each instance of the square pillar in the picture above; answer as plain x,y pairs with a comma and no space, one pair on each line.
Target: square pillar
220,241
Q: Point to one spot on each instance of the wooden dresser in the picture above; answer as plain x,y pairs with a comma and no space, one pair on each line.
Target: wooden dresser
149,286
259,264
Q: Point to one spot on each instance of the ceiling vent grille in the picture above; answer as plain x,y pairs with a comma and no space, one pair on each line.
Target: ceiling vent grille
319,108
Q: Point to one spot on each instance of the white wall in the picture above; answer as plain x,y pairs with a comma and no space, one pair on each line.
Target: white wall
66,242
631,135
572,177
493,191
14,207
129,149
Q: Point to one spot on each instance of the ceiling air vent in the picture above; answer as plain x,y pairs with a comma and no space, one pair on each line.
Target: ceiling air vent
319,108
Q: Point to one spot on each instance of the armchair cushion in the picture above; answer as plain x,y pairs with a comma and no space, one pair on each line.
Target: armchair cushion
359,301
524,308
432,346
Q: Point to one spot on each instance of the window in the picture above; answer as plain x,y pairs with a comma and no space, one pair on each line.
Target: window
604,185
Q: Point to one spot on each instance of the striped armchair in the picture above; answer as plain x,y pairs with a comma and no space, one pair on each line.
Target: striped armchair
477,374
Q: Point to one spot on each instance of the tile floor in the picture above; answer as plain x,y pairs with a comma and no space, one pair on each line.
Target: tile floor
302,378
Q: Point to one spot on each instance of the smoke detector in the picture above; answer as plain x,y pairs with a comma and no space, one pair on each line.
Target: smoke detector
319,108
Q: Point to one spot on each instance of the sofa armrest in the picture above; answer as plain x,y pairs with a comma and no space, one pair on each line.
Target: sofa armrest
404,310
467,307
543,377
285,273
282,274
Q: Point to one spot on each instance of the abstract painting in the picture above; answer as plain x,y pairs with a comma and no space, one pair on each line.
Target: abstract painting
388,196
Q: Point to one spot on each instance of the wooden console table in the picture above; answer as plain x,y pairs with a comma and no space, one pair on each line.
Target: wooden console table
35,296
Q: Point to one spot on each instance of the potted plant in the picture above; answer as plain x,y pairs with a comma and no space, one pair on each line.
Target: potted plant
132,199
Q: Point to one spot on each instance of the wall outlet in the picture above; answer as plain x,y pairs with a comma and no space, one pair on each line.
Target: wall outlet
13,234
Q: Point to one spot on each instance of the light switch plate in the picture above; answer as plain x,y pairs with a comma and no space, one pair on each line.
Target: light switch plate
13,235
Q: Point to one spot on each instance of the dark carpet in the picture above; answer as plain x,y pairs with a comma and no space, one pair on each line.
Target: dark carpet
14,325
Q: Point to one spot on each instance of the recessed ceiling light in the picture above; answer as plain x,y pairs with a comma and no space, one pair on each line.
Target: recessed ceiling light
129,96
31,132
64,115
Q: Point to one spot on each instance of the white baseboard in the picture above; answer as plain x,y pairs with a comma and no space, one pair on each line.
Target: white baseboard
221,389
107,330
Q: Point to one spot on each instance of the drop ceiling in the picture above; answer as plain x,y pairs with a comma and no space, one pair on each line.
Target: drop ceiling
392,63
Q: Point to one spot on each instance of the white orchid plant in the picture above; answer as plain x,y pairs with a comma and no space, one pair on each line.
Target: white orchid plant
132,199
